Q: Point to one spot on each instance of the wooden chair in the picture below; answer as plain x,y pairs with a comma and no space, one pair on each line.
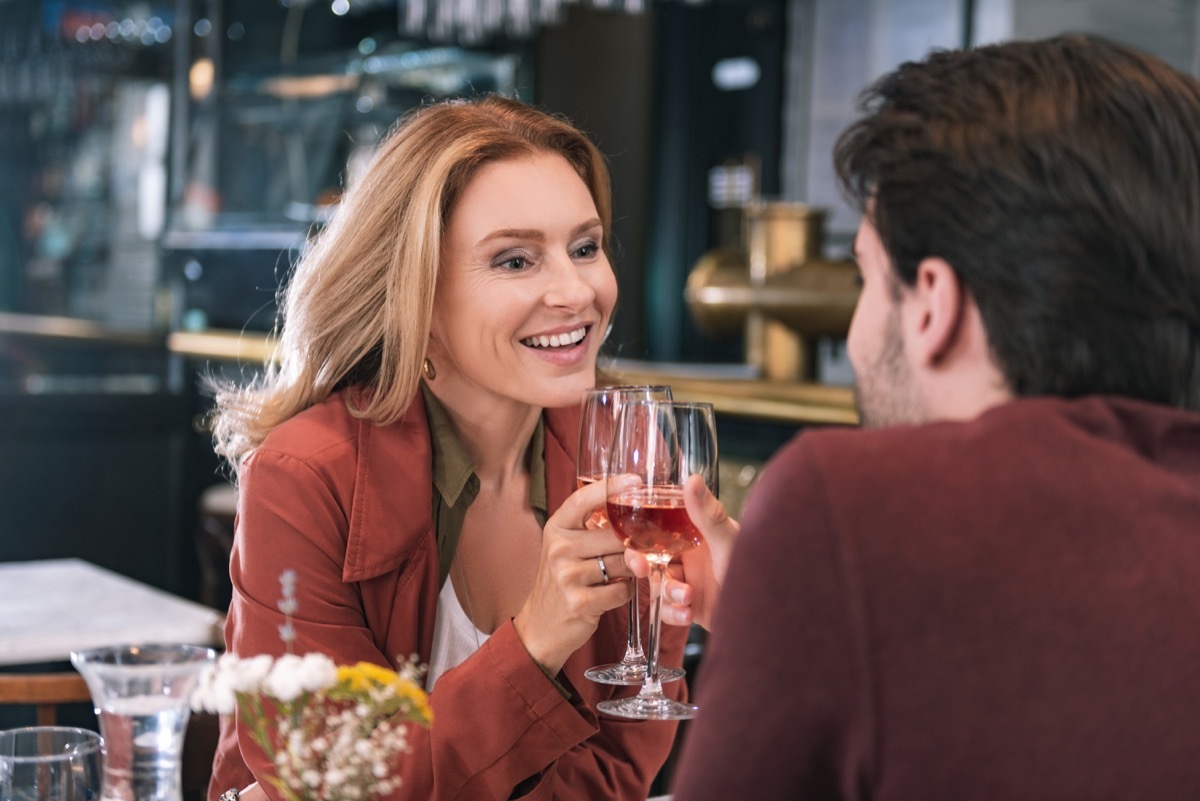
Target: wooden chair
45,691
214,543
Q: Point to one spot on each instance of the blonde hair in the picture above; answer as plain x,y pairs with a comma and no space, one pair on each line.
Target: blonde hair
357,309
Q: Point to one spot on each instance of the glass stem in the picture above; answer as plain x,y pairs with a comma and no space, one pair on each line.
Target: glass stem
652,687
633,648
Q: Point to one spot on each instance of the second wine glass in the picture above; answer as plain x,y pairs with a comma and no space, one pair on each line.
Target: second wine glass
597,421
663,443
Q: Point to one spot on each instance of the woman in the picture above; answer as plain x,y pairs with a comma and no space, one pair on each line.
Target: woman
404,455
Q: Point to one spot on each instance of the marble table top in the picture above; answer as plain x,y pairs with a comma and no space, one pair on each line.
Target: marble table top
51,607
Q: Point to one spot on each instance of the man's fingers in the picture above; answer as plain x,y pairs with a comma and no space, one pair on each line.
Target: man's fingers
702,505
677,615
677,595
677,592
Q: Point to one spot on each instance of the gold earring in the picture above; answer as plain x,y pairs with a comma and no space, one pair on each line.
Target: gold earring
428,370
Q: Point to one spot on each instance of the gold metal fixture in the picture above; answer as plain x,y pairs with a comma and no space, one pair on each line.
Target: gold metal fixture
778,287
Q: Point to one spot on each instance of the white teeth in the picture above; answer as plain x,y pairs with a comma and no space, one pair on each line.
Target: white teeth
557,340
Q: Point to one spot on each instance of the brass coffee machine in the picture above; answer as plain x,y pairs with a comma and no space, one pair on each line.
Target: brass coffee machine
777,287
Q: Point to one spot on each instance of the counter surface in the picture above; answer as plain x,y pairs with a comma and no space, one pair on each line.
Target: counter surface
51,607
754,399
783,402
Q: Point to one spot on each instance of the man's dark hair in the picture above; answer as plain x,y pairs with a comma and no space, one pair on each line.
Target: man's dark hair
1061,181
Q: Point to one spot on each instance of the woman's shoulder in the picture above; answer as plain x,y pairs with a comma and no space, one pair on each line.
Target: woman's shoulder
324,425
370,484
330,430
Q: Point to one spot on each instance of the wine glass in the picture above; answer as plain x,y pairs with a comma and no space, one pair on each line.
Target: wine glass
663,443
598,416
50,763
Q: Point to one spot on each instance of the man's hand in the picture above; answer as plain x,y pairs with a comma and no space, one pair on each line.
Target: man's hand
692,596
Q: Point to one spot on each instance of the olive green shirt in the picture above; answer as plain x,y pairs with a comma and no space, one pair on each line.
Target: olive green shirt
457,486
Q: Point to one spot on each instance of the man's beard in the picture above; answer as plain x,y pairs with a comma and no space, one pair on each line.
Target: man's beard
884,393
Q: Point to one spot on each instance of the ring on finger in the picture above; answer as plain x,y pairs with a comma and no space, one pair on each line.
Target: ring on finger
603,568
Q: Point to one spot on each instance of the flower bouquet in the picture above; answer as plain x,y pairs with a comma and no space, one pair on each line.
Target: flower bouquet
332,733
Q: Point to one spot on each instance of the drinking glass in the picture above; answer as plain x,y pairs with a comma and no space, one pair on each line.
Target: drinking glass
598,416
50,763
142,695
663,443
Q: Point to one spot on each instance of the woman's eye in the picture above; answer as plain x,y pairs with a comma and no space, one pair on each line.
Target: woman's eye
514,262
587,251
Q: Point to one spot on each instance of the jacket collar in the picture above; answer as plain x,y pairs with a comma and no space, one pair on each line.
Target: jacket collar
391,511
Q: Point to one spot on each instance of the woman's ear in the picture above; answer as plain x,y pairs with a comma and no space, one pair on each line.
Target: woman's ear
935,313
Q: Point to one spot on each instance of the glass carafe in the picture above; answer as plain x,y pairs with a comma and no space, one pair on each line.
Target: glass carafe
142,695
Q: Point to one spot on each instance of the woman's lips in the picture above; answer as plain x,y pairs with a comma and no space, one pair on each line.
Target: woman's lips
572,347
565,339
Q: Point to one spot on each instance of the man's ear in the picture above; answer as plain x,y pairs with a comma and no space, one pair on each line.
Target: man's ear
935,312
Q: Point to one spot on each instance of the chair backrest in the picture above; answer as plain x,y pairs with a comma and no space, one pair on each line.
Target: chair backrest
45,691
214,543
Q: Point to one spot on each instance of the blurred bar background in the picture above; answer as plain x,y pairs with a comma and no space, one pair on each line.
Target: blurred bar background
163,162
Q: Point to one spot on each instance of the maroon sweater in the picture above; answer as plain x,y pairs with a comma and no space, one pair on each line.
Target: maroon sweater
1007,608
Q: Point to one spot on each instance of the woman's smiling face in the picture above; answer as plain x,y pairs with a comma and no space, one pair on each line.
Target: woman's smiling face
525,291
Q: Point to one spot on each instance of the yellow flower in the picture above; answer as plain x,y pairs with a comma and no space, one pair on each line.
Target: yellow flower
365,676
332,733
419,700
360,682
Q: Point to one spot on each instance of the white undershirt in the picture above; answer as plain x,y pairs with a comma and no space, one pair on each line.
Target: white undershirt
454,635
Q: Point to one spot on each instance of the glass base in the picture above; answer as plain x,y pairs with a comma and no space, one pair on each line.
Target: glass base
648,708
630,674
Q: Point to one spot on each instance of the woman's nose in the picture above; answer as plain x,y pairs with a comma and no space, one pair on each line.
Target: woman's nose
568,286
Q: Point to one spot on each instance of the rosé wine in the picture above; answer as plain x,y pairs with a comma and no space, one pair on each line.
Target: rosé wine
653,520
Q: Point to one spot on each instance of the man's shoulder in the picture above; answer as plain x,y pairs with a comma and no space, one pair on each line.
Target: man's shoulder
1016,426
869,463
999,448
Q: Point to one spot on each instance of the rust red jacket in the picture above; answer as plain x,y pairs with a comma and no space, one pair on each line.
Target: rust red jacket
347,505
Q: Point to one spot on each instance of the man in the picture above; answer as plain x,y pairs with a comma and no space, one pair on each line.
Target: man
993,593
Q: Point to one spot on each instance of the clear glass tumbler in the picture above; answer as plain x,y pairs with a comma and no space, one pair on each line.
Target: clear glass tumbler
50,763
142,695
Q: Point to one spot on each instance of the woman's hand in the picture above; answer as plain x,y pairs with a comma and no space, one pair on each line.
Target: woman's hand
570,592
693,595
252,792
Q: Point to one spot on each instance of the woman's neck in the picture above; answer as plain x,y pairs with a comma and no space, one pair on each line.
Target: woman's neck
496,434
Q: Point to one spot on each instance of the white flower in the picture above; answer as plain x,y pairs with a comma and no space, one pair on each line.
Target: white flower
323,748
292,675
317,672
287,580
213,692
248,674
